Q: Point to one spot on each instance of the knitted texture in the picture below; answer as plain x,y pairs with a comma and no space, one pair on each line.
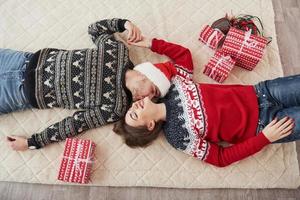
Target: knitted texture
91,80
200,115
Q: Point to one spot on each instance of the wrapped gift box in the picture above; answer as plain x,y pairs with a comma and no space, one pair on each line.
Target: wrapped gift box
77,161
219,66
211,37
245,48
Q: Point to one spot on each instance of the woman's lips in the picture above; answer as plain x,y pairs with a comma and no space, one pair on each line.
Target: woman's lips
141,103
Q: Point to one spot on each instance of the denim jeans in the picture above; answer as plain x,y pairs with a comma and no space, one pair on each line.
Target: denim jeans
279,98
12,70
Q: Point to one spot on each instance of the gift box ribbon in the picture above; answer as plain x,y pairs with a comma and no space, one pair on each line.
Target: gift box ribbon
246,42
223,58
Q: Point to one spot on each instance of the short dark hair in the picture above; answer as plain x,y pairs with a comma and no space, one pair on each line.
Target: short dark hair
137,136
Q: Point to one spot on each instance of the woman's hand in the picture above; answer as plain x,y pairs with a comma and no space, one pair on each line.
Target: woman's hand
276,130
134,33
145,42
17,143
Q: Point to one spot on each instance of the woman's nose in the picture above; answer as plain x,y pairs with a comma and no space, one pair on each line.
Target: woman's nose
135,106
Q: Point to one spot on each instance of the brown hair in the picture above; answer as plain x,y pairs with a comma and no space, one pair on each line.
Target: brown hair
137,136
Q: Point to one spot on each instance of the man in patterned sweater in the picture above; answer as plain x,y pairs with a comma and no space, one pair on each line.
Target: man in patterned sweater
99,82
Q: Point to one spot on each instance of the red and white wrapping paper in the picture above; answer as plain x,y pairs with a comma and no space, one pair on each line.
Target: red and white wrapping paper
77,161
219,66
246,48
211,37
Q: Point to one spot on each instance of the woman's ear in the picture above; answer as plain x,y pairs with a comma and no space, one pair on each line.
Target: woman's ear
151,125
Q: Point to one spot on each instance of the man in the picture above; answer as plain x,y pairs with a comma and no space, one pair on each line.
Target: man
100,82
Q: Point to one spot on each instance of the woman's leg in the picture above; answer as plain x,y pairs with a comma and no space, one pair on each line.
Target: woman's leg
279,98
293,112
12,69
284,91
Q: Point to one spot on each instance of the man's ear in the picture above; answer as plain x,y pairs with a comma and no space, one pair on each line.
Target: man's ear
151,125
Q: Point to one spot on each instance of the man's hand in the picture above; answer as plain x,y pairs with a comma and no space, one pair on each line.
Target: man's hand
145,42
17,143
134,33
276,130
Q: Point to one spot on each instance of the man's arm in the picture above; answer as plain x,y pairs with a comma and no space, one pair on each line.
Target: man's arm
69,127
103,30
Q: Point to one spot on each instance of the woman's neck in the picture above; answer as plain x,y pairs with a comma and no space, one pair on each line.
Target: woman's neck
162,112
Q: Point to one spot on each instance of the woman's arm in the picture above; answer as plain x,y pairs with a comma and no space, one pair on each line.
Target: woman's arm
224,156
179,54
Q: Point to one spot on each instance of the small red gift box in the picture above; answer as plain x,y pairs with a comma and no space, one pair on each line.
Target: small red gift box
211,37
77,161
246,48
219,66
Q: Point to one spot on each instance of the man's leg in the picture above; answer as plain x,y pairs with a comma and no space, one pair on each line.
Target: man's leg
12,69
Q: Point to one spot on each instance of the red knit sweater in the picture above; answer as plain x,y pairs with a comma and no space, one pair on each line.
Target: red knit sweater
211,113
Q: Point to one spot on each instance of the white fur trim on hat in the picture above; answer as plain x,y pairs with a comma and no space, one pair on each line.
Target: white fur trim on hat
155,75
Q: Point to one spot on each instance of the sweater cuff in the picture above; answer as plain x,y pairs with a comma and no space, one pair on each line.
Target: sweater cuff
154,45
32,144
121,24
262,140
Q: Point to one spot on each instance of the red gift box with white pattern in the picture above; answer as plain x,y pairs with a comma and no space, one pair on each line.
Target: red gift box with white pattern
211,37
77,161
219,66
246,48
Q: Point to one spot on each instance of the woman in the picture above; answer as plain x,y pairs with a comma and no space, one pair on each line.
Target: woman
195,117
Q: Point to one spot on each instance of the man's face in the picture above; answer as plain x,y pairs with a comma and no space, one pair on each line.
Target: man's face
143,88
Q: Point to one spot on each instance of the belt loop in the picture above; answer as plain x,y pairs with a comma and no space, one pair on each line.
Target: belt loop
27,59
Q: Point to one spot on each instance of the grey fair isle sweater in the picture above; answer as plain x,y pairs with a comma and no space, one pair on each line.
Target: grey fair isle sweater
90,80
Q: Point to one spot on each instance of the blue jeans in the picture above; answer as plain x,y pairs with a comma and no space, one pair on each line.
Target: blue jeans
279,98
12,70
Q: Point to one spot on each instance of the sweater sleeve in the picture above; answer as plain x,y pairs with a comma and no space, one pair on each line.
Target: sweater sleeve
103,30
71,126
224,156
179,54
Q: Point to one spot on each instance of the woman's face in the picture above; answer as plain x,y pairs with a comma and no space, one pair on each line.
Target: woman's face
141,113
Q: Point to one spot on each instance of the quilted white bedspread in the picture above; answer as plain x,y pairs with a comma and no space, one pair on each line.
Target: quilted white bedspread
33,24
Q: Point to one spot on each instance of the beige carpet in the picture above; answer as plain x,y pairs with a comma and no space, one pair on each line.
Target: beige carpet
32,24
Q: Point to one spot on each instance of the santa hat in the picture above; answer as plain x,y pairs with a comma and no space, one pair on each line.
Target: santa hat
160,74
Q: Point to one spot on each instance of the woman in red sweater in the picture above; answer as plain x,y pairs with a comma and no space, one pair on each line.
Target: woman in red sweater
195,117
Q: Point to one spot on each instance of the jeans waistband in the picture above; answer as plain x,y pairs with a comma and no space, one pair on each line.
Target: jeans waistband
28,57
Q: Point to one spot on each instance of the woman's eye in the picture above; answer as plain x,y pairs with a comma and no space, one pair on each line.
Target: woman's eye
134,116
